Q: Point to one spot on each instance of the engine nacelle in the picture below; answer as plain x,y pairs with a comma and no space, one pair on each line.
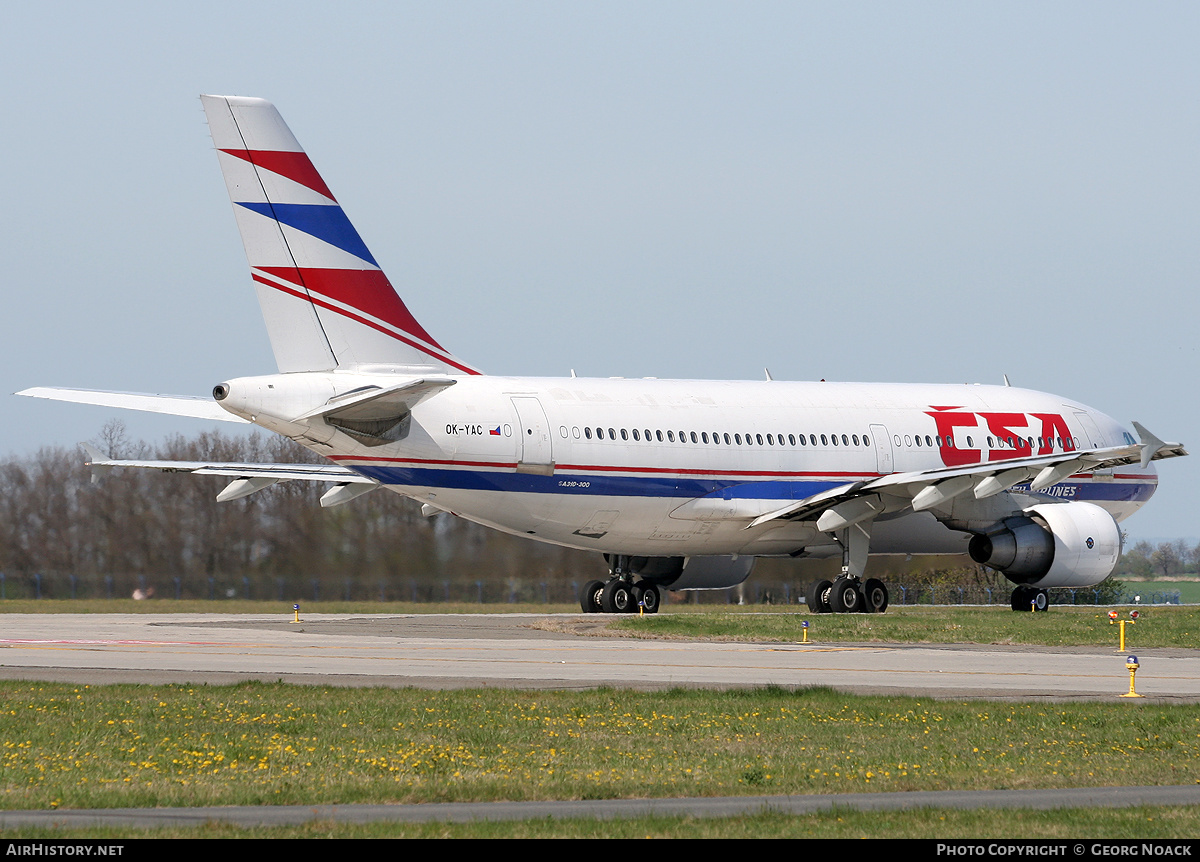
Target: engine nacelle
694,573
1052,545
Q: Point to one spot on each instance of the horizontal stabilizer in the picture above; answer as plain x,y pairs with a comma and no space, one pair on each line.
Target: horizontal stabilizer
250,478
279,472
192,406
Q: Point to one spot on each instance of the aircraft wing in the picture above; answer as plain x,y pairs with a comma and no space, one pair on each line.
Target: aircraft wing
176,405
248,478
924,489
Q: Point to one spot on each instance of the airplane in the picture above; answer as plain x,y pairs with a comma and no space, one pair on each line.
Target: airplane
680,484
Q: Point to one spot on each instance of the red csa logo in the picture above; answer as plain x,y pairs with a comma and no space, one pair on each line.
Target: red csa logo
1016,427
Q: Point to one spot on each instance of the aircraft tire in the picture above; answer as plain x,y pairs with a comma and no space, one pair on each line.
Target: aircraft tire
1040,600
649,598
875,596
1020,599
616,598
818,597
590,599
845,598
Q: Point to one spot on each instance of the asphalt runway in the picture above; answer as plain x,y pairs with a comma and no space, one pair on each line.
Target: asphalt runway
506,650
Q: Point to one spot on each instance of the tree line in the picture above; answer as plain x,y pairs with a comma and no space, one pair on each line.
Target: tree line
64,533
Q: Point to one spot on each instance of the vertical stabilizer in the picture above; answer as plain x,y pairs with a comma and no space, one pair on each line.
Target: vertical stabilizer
326,302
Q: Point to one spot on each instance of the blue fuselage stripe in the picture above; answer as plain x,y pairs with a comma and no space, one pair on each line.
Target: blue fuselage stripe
685,487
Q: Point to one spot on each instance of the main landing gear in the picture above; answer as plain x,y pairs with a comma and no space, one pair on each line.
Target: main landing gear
1023,598
619,596
848,595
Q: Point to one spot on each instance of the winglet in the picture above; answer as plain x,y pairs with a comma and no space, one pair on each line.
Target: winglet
1152,445
95,459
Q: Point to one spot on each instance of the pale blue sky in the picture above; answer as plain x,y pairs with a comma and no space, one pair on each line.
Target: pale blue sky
887,191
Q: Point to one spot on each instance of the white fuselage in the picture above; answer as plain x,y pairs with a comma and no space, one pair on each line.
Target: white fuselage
681,468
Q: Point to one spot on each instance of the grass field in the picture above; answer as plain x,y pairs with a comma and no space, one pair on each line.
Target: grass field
64,746
72,746
1150,591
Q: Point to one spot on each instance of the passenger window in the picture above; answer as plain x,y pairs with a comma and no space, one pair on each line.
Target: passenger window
693,435
624,434
671,436
792,439
727,438
845,440
636,436
587,432
738,438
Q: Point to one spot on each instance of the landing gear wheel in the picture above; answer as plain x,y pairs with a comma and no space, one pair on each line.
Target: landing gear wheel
818,597
1024,596
589,600
845,598
875,596
616,598
647,595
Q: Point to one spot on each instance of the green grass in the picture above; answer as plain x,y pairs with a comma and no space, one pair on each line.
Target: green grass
1189,590
1160,626
65,746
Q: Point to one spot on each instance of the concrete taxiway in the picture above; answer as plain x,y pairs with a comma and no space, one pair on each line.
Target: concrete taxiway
508,650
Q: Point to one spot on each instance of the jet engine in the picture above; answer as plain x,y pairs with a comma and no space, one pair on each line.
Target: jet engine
1052,545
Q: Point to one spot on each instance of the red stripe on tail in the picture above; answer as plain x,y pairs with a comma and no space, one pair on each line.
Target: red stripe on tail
294,166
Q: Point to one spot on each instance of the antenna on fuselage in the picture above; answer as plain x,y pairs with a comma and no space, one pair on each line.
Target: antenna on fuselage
1006,383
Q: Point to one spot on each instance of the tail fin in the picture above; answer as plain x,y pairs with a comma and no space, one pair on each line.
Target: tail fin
326,302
